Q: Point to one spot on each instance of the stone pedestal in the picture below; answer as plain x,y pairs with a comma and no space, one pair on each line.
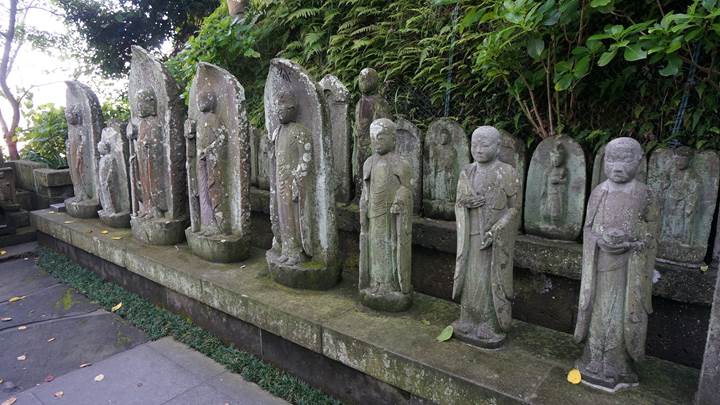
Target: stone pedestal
305,275
82,208
115,220
218,248
157,231
388,301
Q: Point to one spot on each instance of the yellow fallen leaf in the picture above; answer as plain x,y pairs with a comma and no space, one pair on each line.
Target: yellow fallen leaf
99,377
9,401
704,268
85,365
51,212
116,307
22,327
58,394
22,358
1,380
104,232
425,322
68,222
116,237
51,339
3,252
5,319
16,299
574,376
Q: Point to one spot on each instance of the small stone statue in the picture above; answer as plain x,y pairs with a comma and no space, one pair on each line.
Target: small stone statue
370,107
487,215
598,173
554,202
218,166
619,246
337,97
446,152
157,149
302,192
84,118
114,187
409,144
386,209
513,152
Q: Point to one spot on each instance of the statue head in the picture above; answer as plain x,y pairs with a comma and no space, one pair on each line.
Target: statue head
683,155
103,148
286,105
485,144
368,81
622,159
206,101
382,135
558,155
73,114
444,136
146,103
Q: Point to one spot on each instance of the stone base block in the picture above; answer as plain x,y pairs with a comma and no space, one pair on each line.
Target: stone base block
115,220
439,210
81,208
218,248
470,336
305,276
24,198
21,218
158,231
390,301
21,235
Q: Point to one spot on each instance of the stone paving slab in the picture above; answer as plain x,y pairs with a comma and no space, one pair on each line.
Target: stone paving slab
22,277
54,302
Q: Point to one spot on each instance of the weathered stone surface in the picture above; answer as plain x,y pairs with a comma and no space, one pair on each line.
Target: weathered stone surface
157,153
619,247
263,167
236,7
487,212
514,152
409,144
218,166
371,106
52,178
24,177
114,187
337,97
254,145
8,202
686,185
555,194
302,184
598,172
386,210
85,123
446,152
710,374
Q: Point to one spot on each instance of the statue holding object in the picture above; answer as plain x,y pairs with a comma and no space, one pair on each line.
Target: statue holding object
114,187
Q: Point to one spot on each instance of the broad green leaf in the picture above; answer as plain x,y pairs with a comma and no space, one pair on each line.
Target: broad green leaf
445,335
634,53
535,47
675,44
673,66
564,82
607,57
582,66
614,29
552,18
599,3
709,5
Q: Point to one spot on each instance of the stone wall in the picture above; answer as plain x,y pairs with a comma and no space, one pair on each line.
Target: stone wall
38,186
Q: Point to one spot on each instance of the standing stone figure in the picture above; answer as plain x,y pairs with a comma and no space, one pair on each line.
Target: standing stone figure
619,245
84,118
686,183
555,195
487,211
446,152
158,153
370,107
409,144
513,152
337,97
598,173
218,166
302,193
386,209
114,187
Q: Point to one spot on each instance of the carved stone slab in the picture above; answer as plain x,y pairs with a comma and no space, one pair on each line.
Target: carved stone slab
85,124
514,153
157,152
409,144
218,165
337,97
598,173
686,185
263,176
311,216
114,190
556,189
445,153
710,372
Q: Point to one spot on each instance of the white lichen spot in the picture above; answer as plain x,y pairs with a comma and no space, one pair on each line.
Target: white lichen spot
306,157
656,276
308,146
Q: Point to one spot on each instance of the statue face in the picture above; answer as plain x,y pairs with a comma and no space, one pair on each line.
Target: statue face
485,145
557,157
73,115
382,136
621,163
286,108
368,81
147,104
444,138
206,102
682,157
104,148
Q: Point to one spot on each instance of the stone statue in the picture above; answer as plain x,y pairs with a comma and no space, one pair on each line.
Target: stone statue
598,173
513,152
218,166
8,203
157,150
409,144
619,245
487,214
386,209
446,152
263,176
370,107
337,97
114,189
84,119
686,184
302,193
555,197
237,7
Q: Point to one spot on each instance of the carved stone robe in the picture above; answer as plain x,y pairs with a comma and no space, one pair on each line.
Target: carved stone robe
150,147
555,195
210,141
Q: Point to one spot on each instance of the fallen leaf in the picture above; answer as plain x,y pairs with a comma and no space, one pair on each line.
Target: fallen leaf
58,394
425,322
16,299
85,365
704,268
5,319
445,335
9,401
116,237
49,378
22,327
116,307
99,377
3,252
1,380
51,339
68,222
104,232
51,212
22,358
574,376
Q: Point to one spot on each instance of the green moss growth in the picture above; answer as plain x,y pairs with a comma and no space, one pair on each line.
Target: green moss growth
66,302
313,265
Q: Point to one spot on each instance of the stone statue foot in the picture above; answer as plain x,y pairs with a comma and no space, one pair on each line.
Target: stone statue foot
461,327
480,335
294,260
282,259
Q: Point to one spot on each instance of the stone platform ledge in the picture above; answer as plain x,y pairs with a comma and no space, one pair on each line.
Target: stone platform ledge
532,253
398,349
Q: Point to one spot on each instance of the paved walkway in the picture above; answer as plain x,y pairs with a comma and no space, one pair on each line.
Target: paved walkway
57,347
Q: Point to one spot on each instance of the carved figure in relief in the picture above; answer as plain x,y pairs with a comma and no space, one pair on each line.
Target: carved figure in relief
113,188
150,156
680,198
76,152
554,204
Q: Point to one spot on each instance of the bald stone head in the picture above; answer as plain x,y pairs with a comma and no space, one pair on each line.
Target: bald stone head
382,135
286,105
622,160
485,144
369,81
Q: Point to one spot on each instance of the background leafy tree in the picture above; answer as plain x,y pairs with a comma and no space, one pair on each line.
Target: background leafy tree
45,135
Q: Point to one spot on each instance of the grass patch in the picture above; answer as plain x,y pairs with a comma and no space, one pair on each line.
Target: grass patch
157,323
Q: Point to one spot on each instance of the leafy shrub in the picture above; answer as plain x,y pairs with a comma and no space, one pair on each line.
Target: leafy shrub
44,138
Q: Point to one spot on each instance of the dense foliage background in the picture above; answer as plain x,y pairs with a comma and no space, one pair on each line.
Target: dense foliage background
593,69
